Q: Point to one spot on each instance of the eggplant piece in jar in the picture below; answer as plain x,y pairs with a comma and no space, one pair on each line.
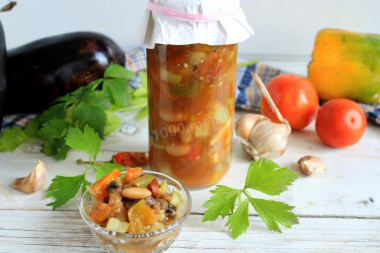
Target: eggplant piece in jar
41,71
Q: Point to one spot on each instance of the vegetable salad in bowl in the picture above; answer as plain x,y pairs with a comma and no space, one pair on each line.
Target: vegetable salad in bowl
135,211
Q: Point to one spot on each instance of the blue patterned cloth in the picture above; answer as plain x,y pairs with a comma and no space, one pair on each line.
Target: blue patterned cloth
247,94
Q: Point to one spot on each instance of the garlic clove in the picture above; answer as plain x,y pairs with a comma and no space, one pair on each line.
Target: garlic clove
269,139
246,123
310,165
34,181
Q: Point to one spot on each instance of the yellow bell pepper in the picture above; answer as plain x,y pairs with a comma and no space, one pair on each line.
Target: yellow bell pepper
346,65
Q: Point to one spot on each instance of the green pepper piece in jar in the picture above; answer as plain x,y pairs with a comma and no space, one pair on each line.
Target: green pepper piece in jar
142,182
188,90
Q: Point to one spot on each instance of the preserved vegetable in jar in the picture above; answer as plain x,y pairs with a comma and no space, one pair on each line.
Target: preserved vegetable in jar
191,91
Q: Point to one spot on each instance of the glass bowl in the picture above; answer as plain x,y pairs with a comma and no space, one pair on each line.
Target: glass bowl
155,241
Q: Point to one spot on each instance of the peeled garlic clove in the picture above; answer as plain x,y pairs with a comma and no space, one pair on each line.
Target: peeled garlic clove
246,123
311,164
34,181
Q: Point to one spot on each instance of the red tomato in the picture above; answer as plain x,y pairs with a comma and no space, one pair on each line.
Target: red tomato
340,123
295,97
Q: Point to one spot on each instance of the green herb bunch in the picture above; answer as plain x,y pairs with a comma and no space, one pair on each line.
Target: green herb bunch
65,188
264,176
94,105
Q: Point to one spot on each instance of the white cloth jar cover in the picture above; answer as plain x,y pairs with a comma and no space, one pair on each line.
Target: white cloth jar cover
181,22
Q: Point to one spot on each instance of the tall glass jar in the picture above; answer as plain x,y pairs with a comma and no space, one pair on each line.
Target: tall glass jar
191,91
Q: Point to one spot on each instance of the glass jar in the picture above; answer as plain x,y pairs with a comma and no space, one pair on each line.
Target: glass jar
191,90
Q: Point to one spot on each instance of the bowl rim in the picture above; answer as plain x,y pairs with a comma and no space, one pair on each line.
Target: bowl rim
101,230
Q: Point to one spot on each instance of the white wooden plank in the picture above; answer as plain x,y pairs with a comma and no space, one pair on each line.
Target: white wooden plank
62,231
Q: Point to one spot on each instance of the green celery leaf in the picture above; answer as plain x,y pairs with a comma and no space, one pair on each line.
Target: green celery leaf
56,148
273,212
112,123
104,169
63,189
95,117
238,222
142,113
117,71
139,101
143,78
32,128
61,152
87,141
117,90
11,138
91,111
62,100
56,111
264,175
221,203
140,91
55,128
94,84
78,95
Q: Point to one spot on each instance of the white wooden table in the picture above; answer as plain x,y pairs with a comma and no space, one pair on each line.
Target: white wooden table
339,209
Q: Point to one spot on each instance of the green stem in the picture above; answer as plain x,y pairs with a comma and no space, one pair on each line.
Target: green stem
88,169
80,161
247,194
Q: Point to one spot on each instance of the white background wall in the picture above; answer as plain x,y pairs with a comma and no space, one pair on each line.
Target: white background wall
283,27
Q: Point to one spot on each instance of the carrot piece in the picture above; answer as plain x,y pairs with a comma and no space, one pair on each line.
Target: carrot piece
132,173
100,211
154,187
99,186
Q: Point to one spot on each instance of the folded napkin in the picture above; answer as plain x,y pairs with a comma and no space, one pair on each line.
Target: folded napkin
247,94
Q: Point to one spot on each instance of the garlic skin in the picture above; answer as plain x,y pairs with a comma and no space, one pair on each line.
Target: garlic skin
246,123
267,139
34,182
310,165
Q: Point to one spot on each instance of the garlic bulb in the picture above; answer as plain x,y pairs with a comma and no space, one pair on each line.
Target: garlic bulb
34,181
260,137
246,123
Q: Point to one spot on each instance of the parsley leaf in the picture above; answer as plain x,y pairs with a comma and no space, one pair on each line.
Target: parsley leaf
63,189
265,176
117,90
32,128
238,222
11,138
55,128
142,113
273,212
221,203
112,123
117,71
87,141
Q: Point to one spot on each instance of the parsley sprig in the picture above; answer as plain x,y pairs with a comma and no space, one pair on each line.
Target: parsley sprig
65,188
94,105
264,176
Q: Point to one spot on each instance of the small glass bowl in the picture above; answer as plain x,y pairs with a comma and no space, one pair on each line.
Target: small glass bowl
155,241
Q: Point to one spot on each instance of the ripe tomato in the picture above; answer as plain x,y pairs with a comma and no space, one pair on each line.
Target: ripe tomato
340,123
295,97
